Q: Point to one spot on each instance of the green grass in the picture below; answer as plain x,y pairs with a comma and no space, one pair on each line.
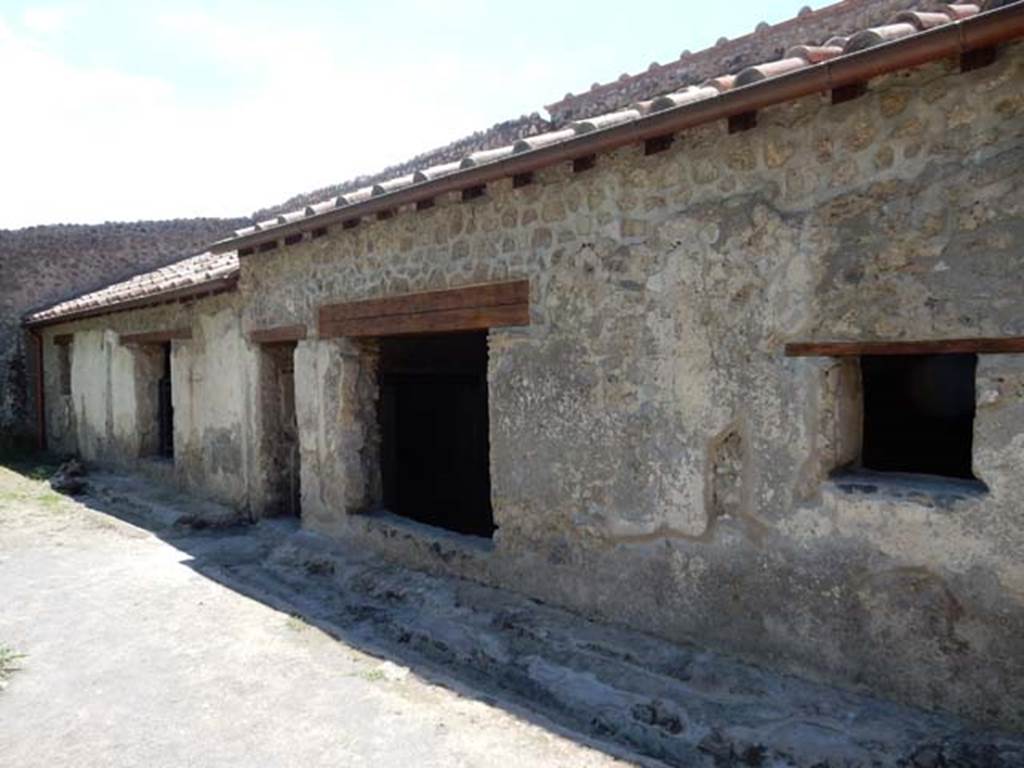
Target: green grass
9,659
23,480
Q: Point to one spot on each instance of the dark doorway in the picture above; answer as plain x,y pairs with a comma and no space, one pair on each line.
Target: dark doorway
435,458
281,430
165,405
919,414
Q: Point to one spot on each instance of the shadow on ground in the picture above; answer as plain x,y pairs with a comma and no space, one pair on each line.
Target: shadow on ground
605,686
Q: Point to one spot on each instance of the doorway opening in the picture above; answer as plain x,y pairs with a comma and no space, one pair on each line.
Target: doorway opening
433,417
165,405
281,429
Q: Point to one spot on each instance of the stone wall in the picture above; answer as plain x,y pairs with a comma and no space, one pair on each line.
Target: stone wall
656,460
46,264
111,407
767,43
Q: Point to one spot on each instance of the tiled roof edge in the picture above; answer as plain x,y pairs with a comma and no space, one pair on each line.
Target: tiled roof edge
722,48
196,275
824,64
497,135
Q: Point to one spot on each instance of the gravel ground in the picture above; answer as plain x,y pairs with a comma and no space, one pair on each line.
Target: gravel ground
133,658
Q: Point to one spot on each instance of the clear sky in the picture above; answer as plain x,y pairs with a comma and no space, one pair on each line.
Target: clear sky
128,109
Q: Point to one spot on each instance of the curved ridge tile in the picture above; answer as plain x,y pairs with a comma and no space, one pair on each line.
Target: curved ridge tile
486,156
815,54
436,171
962,10
542,140
687,96
721,83
869,38
393,184
771,69
921,19
351,198
288,218
607,120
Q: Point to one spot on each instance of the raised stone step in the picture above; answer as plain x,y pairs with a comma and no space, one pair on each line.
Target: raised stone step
156,504
679,704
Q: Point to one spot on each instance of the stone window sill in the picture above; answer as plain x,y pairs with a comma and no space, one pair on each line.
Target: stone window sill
928,490
390,525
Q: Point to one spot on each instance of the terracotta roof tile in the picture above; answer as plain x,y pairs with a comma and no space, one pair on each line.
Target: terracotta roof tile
486,156
963,10
358,196
196,271
869,38
436,171
542,140
386,186
321,207
685,96
604,121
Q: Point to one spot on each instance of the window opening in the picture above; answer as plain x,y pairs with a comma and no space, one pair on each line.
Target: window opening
435,460
919,413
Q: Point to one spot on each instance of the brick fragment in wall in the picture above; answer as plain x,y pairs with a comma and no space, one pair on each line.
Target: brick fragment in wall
726,475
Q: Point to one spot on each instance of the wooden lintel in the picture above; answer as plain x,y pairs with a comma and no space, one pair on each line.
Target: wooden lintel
63,338
988,346
156,337
475,307
278,334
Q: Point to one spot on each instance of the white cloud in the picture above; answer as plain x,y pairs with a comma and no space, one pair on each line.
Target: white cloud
46,19
89,144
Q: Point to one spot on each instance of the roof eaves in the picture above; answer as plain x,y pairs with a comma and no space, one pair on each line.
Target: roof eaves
215,285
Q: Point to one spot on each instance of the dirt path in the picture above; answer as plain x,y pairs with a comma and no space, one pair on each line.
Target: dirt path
136,659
